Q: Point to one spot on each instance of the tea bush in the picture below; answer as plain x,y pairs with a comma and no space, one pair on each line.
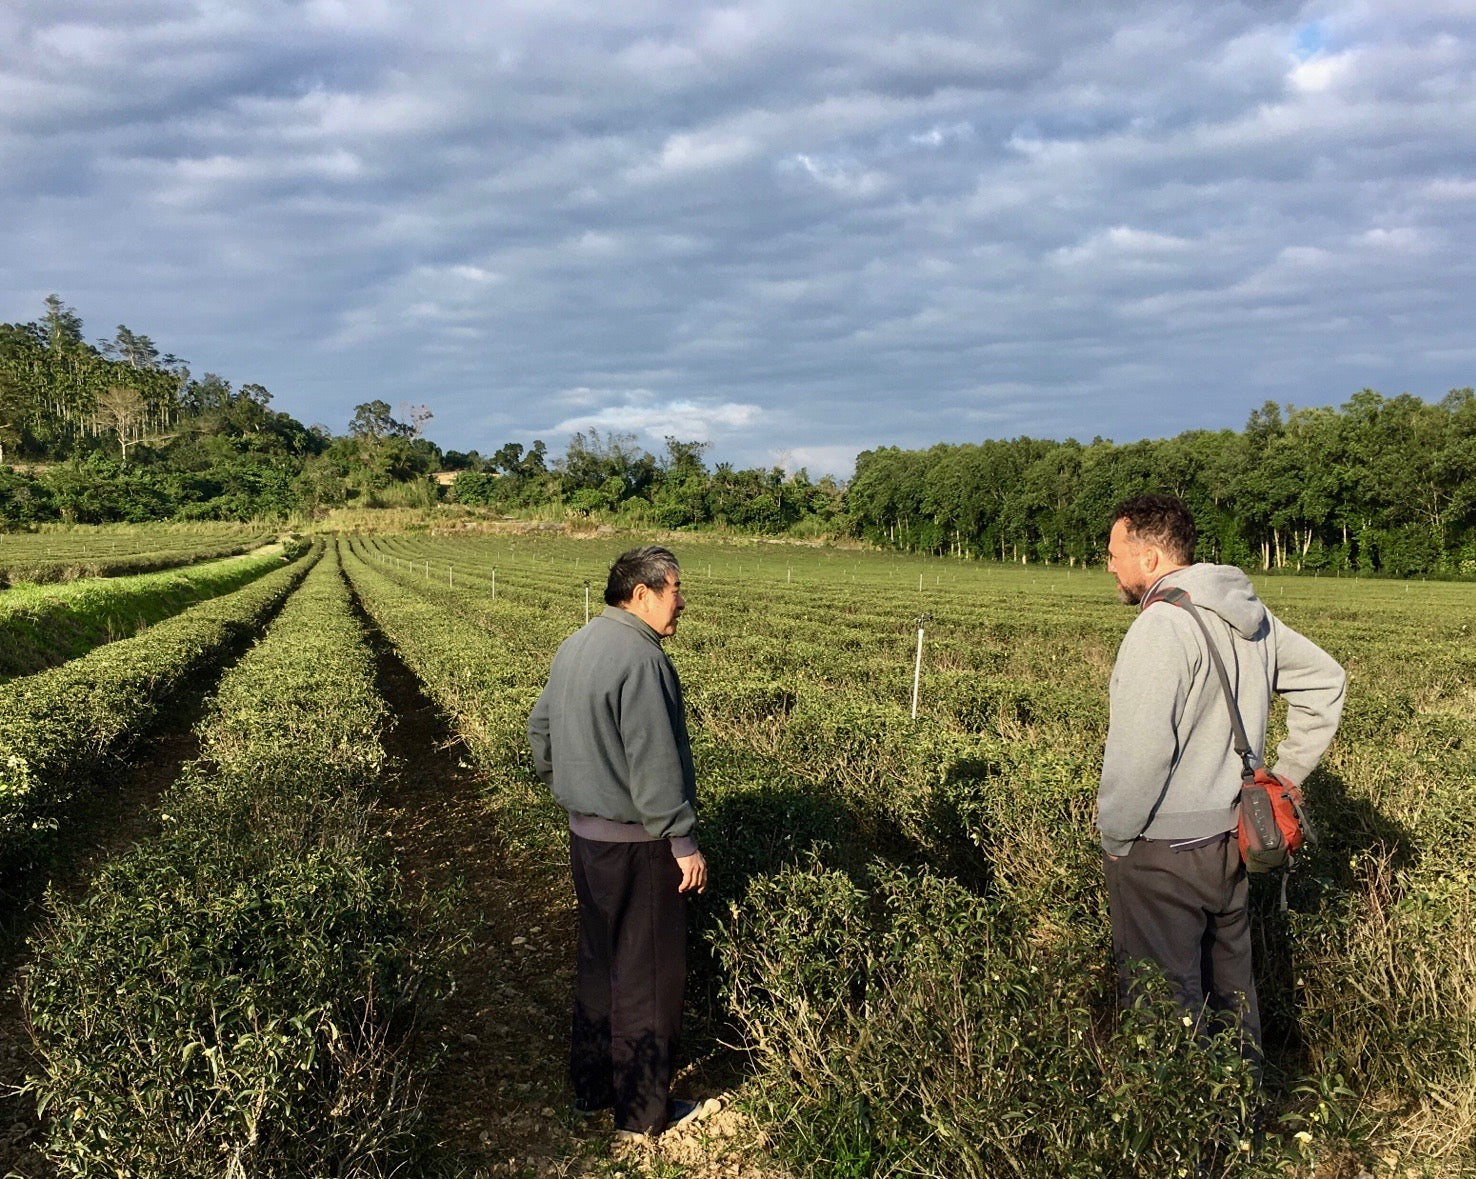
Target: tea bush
70,553
44,626
908,1026
238,995
61,729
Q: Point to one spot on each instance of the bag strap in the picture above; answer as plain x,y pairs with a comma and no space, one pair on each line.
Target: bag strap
1177,597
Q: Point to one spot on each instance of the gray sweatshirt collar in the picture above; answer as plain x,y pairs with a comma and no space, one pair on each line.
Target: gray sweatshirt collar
626,618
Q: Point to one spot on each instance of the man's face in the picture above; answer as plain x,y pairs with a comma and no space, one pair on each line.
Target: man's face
660,609
1125,563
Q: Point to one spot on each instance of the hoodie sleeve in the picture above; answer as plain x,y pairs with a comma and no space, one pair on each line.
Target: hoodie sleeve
1313,683
1150,683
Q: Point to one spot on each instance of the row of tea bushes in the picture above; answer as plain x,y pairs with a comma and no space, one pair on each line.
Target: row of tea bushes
239,995
117,551
483,662
43,626
61,729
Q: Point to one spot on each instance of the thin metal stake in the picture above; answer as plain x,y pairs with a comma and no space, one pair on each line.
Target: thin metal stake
586,603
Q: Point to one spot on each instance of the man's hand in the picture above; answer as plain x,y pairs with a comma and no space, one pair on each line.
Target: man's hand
694,873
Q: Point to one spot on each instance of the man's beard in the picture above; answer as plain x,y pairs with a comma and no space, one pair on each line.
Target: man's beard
1128,595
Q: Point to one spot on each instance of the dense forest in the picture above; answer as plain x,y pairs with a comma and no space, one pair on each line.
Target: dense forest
115,430
1382,484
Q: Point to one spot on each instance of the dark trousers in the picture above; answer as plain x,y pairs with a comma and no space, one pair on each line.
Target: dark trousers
632,970
1186,911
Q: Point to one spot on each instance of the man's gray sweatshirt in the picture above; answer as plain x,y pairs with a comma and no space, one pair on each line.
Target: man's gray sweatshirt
1170,770
609,735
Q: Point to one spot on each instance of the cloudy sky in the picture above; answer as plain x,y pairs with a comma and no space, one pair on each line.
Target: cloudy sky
793,229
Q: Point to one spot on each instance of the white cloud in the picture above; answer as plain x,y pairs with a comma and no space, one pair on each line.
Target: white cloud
641,413
704,152
1323,72
1122,242
778,225
1399,240
937,136
838,461
842,179
1447,189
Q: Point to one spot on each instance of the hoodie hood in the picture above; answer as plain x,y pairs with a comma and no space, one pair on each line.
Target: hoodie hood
1223,590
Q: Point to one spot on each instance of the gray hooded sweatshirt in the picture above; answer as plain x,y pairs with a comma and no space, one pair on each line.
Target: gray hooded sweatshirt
1170,770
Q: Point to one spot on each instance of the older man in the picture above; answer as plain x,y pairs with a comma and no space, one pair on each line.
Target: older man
1166,807
609,735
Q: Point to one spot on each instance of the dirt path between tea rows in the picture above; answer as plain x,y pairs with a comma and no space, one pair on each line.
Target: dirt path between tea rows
499,1098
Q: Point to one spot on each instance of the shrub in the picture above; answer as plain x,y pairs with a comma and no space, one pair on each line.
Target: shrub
908,1026
238,995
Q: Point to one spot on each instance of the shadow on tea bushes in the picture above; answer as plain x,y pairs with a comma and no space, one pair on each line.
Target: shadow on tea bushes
908,1026
260,1027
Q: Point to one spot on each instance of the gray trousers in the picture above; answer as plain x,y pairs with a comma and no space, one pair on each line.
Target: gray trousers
1185,910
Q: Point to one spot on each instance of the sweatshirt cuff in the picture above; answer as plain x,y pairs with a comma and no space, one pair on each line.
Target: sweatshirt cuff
683,846
1116,847
1292,773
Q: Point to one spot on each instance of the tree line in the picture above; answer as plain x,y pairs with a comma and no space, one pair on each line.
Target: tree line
1379,484
117,430
611,476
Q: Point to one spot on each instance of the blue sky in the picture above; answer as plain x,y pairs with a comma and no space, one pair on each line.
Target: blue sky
794,230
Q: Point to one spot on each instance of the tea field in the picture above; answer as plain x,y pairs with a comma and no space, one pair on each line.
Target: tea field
909,929
905,937
68,552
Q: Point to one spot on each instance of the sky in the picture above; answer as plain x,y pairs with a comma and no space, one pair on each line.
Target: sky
792,230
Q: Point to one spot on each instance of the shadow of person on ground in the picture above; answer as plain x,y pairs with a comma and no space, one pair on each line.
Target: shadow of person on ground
1326,876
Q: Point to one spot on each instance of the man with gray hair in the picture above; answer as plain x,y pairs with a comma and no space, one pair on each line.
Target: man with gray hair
609,736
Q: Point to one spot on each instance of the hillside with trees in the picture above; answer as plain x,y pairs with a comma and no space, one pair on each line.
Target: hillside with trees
117,431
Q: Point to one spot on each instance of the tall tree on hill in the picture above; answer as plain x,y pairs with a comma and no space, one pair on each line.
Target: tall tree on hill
373,422
134,349
123,410
62,326
12,412
612,464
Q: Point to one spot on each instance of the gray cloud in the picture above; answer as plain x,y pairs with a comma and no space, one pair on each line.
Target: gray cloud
781,227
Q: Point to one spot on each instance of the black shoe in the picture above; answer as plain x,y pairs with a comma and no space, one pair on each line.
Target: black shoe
681,1111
